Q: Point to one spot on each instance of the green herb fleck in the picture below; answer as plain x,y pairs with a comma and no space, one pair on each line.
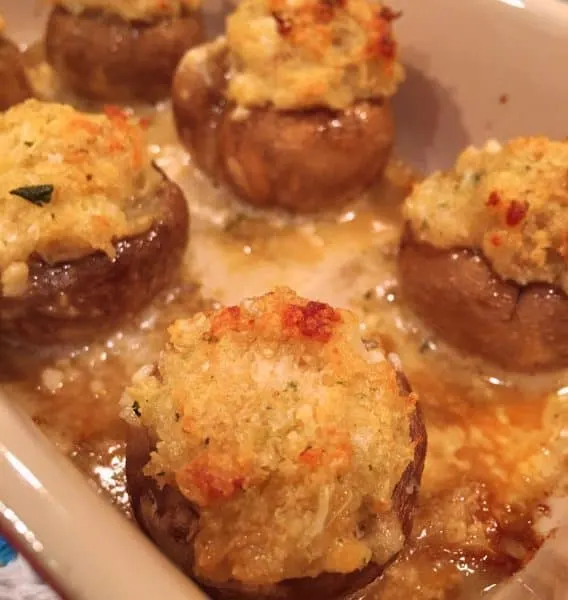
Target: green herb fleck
341,382
28,143
161,474
136,408
206,441
292,385
178,417
36,194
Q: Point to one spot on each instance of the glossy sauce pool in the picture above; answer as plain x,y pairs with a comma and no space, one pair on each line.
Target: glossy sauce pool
495,446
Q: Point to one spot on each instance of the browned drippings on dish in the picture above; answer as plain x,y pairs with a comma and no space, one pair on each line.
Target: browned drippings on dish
495,450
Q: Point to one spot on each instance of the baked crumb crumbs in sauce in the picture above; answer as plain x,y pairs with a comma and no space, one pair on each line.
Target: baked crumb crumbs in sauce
495,450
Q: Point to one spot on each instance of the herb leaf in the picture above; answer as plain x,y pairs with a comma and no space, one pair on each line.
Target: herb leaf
36,194
136,408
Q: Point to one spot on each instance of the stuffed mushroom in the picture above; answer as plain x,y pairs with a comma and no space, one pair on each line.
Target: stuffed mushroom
15,85
484,258
291,109
89,231
120,51
272,455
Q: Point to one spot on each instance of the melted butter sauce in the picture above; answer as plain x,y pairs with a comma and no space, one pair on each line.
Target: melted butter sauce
495,446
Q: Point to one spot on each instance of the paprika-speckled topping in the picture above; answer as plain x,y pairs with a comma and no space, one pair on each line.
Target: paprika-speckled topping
509,201
295,54
70,184
285,433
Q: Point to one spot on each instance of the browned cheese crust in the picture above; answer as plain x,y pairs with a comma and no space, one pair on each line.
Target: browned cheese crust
297,451
104,57
169,520
456,292
15,86
298,160
74,300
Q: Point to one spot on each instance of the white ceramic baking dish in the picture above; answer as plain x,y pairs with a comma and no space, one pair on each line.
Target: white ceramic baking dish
476,69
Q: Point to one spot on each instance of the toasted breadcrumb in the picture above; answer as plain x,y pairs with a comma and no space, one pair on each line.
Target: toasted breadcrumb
133,10
86,174
296,54
509,201
284,432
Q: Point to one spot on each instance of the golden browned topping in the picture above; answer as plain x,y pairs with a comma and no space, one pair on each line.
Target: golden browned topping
509,201
306,53
69,184
285,432
134,10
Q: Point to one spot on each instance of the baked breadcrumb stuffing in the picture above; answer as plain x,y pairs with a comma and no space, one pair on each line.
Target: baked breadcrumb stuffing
509,201
296,54
132,10
284,432
70,184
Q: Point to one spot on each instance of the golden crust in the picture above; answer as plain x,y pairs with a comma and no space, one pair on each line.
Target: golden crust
96,166
510,202
132,10
311,53
297,160
75,301
274,421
